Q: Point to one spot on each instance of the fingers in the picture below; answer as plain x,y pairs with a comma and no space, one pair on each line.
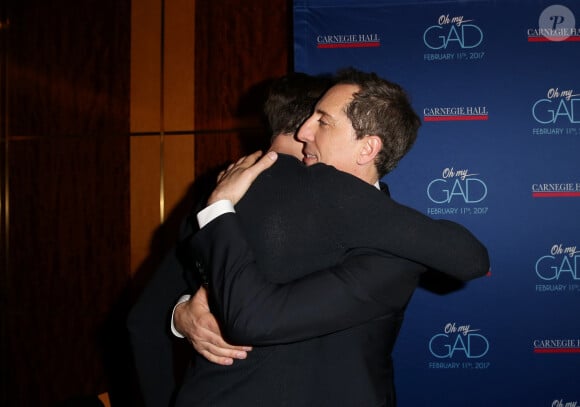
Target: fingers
253,166
216,350
214,335
264,163
221,175
242,163
202,330
215,359
251,161
234,182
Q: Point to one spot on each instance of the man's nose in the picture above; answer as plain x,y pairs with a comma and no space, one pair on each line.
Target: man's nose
305,133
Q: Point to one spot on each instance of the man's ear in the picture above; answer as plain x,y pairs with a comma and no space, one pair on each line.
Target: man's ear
371,145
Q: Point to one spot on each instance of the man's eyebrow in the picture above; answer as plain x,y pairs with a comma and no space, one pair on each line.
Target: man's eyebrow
325,113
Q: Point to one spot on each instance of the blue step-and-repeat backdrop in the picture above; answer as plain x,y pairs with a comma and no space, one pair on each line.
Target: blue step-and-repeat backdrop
497,85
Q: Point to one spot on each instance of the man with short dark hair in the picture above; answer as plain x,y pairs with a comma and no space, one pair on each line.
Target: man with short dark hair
289,102
304,265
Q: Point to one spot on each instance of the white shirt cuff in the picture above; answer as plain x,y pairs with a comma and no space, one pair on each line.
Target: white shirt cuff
214,210
181,300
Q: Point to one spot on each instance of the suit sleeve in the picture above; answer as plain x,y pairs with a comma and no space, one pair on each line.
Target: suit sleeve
442,245
290,205
367,284
367,217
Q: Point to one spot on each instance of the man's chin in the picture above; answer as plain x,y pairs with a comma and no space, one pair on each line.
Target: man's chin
309,160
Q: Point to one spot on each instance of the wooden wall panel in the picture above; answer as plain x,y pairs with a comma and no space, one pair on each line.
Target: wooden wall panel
240,47
146,36
212,67
179,66
67,138
178,172
67,284
68,264
155,223
62,62
145,194
162,145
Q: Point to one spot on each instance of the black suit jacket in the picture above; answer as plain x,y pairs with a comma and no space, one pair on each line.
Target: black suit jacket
338,325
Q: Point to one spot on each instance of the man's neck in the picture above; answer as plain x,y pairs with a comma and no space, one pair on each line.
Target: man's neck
370,176
366,171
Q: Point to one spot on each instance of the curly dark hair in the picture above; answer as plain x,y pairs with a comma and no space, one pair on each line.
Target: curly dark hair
291,100
381,108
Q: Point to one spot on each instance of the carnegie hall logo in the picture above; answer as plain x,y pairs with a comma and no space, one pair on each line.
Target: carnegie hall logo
556,23
457,191
453,38
560,345
455,113
558,270
556,190
371,40
459,346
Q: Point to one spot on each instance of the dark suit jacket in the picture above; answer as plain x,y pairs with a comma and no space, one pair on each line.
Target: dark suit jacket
152,343
338,325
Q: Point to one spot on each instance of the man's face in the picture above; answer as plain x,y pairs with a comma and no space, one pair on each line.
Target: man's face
328,134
